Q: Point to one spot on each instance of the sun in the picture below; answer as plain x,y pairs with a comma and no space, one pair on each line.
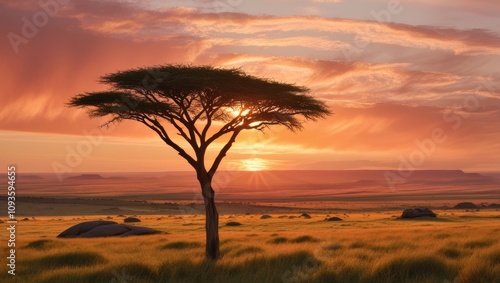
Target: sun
236,111
254,164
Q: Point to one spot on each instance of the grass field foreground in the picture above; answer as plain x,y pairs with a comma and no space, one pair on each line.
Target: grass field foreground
463,247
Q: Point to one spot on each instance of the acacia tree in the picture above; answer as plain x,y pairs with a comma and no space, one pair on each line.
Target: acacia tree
203,104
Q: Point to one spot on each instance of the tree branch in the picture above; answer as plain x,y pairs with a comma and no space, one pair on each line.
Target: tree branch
223,152
158,128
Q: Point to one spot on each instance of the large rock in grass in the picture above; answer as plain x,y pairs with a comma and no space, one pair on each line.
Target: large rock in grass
306,215
417,212
131,220
92,229
83,227
465,205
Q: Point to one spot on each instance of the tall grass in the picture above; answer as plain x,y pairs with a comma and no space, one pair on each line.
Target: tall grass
373,250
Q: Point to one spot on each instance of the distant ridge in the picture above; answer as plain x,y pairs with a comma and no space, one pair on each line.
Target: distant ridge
441,174
21,176
86,177
117,178
30,177
296,185
365,176
96,177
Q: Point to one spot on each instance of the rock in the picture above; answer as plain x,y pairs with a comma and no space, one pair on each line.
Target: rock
233,223
139,230
335,218
106,231
305,215
465,205
417,212
282,216
92,229
265,216
494,205
131,219
83,227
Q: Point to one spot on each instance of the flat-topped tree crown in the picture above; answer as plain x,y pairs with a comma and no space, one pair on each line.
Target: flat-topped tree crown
192,98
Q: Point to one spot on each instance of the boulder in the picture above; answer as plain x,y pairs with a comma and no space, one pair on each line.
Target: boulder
92,229
106,231
465,205
83,227
233,223
335,218
131,220
305,215
138,230
417,212
265,216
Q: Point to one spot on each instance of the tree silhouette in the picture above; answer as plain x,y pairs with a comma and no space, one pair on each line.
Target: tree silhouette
203,104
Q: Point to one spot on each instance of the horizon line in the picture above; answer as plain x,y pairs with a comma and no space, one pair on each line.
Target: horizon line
256,171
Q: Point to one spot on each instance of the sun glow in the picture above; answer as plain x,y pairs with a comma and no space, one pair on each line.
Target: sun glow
236,111
254,164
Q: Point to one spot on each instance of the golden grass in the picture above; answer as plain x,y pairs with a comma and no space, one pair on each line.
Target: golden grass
363,248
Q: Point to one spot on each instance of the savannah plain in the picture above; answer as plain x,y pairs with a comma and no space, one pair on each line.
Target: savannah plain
369,244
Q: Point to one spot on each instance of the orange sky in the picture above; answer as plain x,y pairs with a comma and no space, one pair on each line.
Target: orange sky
415,82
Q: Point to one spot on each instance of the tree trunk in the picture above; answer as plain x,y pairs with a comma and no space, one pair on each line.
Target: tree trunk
211,221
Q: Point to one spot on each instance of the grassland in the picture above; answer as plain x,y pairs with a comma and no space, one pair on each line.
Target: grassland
458,246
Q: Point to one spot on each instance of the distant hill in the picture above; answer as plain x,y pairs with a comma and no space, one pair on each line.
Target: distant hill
296,185
95,177
117,178
366,175
29,177
21,176
86,177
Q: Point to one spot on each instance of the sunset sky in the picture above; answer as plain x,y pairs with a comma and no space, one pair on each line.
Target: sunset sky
396,74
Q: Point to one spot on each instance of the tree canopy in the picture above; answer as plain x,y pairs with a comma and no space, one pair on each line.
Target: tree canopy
192,98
